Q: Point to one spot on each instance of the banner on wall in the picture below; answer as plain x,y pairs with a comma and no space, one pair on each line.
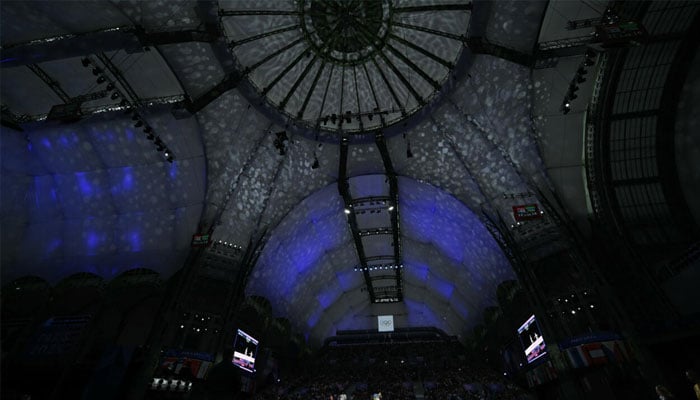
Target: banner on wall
198,363
595,349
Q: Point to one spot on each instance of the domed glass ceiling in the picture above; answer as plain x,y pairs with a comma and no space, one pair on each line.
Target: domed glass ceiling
350,66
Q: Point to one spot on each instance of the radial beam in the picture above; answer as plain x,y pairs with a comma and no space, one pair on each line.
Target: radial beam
411,64
422,50
431,31
372,40
237,13
253,38
298,81
285,71
300,113
434,7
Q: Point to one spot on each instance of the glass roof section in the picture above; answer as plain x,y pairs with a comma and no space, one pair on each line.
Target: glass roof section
346,66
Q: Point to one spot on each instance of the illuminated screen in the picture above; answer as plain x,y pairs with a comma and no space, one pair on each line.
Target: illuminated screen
245,348
531,339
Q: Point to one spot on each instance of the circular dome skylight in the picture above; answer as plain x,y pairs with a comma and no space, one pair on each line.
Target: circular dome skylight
350,66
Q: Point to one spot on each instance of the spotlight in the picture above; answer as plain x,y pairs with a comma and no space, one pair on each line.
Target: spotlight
96,71
566,107
391,208
86,62
114,96
166,153
110,86
101,79
347,211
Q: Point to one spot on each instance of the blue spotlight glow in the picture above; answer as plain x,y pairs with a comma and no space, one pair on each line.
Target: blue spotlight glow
83,183
135,241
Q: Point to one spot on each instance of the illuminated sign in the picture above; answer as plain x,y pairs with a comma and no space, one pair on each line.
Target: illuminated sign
526,212
200,240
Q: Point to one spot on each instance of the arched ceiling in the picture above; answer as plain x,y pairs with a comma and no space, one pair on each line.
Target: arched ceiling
452,266
95,195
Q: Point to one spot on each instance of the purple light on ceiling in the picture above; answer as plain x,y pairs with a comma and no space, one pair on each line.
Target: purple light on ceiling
83,183
135,241
327,298
128,179
53,246
92,240
172,170
444,288
313,319
417,271
346,278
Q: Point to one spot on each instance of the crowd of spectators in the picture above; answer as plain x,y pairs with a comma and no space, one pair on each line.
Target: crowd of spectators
432,370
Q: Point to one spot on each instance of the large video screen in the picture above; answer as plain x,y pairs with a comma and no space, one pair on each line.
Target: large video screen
531,339
245,348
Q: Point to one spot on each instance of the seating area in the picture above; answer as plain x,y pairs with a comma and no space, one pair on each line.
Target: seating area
407,371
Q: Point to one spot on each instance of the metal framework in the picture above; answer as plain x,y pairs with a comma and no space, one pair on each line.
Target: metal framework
394,195
360,38
344,190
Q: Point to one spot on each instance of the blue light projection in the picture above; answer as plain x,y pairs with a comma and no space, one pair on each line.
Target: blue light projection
128,180
92,240
452,264
135,241
85,198
83,184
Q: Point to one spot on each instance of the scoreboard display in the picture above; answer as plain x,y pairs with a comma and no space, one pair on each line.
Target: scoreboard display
526,212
